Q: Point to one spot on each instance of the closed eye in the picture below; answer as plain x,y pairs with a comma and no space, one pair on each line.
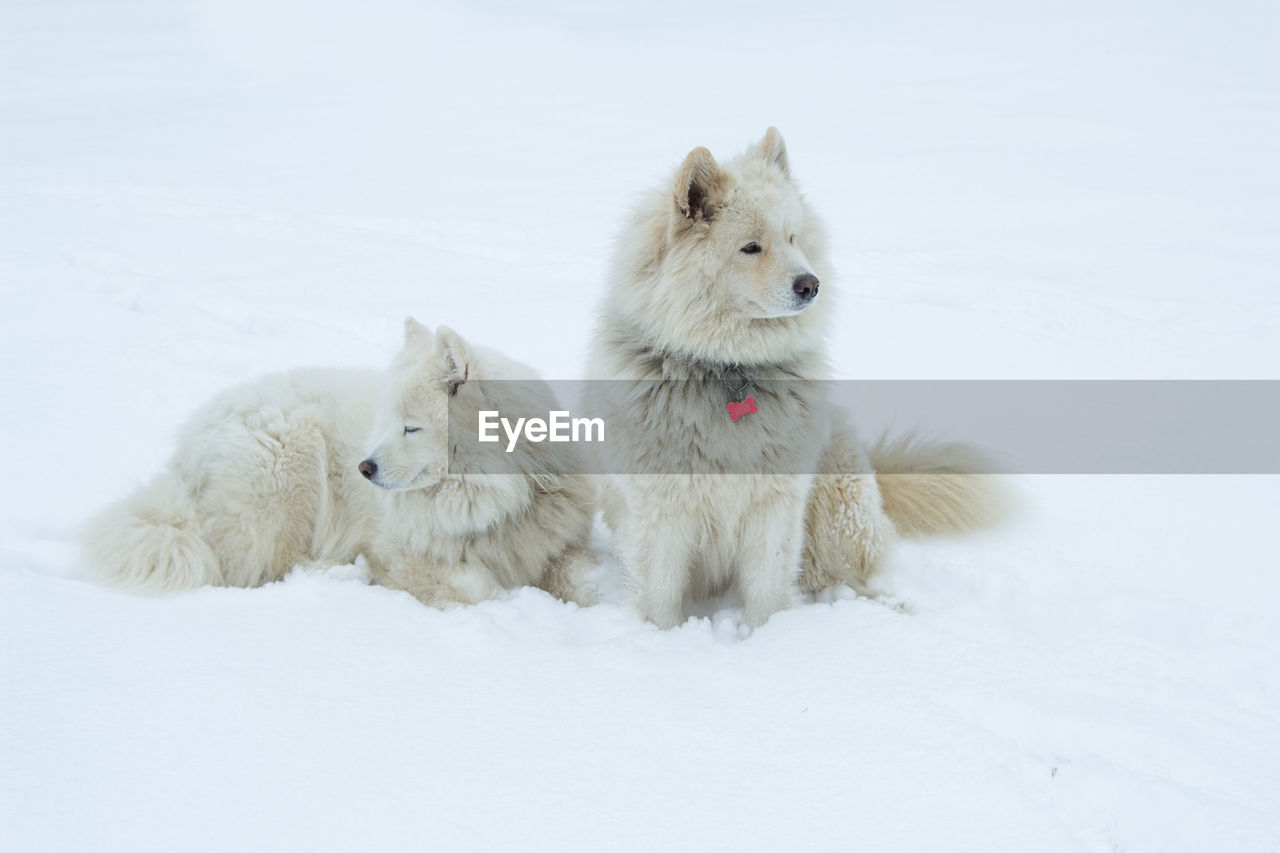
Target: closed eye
751,249
410,429
792,239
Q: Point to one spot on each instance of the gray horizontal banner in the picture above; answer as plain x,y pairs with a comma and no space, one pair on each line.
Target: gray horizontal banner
749,425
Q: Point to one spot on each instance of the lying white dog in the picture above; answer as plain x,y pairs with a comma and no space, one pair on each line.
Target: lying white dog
269,475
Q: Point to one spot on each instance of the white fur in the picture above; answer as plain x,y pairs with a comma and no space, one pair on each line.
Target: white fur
684,302
265,478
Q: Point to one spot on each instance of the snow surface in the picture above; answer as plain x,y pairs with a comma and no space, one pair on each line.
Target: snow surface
194,192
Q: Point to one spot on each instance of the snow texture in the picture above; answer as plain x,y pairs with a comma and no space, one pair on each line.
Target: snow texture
195,192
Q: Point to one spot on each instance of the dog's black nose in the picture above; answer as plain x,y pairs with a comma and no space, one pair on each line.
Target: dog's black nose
805,286
369,468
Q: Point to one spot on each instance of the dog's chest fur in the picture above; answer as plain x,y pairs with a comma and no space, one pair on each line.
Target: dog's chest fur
670,416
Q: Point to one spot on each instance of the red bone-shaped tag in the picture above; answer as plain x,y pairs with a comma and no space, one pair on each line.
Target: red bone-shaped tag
746,407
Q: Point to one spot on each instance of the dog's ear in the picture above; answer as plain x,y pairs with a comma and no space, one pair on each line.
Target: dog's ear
456,357
700,186
415,332
774,150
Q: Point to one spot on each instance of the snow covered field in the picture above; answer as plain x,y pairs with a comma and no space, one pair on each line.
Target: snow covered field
194,192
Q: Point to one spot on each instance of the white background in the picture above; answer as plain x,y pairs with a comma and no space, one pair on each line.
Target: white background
194,192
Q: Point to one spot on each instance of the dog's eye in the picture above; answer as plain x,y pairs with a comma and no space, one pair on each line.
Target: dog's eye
792,239
751,249
409,429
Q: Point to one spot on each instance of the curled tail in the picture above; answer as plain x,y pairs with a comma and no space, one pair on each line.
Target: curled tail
930,488
150,541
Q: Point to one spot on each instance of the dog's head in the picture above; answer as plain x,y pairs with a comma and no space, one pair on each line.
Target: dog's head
730,263
433,394
412,450
749,224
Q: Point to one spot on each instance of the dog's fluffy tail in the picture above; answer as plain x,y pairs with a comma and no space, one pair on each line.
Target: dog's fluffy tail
151,541
933,488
